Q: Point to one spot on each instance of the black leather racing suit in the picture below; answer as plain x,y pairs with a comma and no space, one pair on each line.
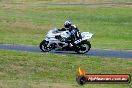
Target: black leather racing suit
74,35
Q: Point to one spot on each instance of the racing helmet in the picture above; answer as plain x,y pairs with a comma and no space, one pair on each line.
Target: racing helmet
68,24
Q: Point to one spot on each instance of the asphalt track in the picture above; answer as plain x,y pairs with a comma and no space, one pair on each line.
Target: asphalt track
93,52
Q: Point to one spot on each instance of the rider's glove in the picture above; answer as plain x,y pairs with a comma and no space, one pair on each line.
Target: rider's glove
62,29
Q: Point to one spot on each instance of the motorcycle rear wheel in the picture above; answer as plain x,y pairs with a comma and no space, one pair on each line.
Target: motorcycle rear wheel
84,47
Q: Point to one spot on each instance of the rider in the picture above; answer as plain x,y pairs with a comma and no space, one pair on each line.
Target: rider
74,33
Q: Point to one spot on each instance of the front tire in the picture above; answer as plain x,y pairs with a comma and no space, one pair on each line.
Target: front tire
43,46
84,47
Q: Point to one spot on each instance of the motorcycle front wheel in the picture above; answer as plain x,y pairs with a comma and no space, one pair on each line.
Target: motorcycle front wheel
43,46
84,47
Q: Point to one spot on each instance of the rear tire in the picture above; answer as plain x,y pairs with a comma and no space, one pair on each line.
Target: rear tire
84,47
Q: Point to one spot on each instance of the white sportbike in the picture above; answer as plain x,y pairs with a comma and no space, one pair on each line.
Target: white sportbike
55,40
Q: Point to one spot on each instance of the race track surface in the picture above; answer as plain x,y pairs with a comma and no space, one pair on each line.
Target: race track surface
93,52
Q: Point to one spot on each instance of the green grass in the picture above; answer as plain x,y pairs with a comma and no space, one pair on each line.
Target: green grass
29,23
39,70
65,1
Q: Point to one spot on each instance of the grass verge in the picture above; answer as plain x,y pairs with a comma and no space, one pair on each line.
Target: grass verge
38,70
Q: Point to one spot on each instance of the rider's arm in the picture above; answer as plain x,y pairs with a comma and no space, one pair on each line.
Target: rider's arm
62,29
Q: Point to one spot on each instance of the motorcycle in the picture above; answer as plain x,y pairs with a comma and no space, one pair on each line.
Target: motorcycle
55,40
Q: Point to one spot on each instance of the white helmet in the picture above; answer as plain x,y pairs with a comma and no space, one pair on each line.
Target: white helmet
67,24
